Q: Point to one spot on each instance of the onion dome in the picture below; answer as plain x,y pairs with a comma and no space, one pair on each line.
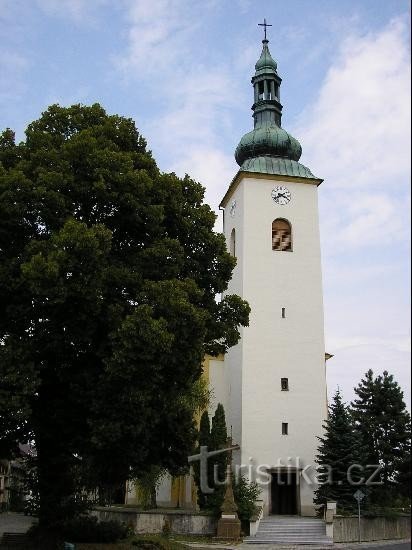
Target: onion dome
265,63
268,139
268,148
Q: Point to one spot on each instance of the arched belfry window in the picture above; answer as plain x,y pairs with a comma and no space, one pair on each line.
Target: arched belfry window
281,235
233,243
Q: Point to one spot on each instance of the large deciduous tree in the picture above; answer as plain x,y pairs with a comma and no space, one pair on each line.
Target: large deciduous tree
109,272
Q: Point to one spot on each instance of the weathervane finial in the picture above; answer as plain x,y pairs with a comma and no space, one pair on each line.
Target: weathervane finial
264,24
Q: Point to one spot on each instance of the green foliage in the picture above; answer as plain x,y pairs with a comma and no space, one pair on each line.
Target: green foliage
217,465
147,485
337,452
213,437
246,494
109,272
203,440
204,430
383,425
87,529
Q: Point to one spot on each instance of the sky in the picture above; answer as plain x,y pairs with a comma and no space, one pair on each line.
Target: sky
181,69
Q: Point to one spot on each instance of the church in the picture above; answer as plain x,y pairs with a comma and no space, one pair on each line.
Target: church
272,384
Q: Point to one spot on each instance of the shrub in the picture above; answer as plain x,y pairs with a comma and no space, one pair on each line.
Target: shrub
246,495
88,529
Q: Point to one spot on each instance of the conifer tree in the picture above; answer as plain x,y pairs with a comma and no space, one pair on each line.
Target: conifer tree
384,427
204,429
338,451
203,440
217,465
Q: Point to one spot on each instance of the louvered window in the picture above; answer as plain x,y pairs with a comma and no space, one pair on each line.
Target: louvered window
281,235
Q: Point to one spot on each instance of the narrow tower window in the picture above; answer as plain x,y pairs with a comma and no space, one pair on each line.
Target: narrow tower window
284,384
233,243
285,428
283,312
281,235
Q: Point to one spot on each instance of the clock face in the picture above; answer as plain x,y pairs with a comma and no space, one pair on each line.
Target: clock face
232,209
281,194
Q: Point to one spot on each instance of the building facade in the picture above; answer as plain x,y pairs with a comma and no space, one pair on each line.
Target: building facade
276,374
272,384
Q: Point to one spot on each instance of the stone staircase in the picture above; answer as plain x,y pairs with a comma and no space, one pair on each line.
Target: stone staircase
291,530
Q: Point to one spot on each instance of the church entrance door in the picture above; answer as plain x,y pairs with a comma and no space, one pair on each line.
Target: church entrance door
284,493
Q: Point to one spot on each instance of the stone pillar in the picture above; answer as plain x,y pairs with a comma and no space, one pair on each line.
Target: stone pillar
265,89
228,526
330,513
272,89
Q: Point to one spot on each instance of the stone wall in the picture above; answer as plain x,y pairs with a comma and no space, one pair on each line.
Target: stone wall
154,522
345,529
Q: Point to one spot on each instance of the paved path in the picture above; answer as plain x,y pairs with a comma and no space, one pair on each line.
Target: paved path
383,545
15,523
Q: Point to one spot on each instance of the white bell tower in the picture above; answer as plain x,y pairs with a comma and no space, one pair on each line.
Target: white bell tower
276,374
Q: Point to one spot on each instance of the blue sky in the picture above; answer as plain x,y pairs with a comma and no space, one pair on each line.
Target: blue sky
181,69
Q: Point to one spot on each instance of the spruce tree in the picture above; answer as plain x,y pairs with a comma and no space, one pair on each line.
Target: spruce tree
338,451
383,424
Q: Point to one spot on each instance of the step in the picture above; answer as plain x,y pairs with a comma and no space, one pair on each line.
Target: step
291,542
291,533
291,527
291,530
290,536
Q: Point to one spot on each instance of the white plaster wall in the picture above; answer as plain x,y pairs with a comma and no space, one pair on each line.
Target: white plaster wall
219,384
164,490
271,347
233,358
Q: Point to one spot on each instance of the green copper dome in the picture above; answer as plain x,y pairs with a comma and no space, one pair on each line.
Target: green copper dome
265,63
268,148
268,139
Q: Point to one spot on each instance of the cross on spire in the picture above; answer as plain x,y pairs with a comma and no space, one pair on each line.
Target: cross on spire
264,24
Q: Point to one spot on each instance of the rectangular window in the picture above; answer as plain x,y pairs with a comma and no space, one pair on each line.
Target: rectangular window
284,384
283,312
285,428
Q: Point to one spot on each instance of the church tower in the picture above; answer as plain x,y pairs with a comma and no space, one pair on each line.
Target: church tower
275,376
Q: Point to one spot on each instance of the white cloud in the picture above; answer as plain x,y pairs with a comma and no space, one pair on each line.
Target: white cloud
158,35
194,98
357,134
78,10
211,167
357,137
349,365
189,132
359,219
12,67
